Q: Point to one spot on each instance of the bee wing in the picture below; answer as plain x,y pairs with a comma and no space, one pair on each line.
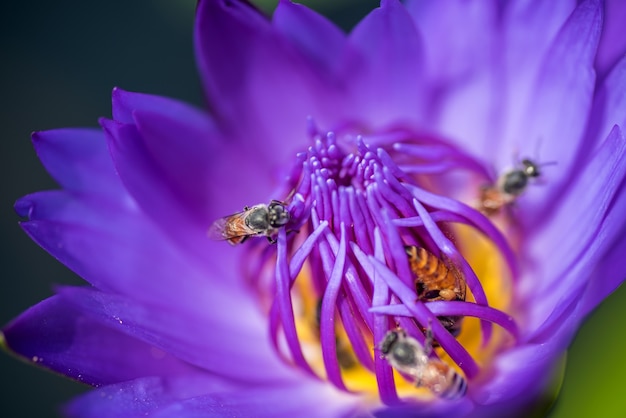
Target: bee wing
229,228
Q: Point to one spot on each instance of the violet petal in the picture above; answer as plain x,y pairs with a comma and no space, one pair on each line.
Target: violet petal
609,104
79,160
195,173
566,82
315,37
279,95
129,256
195,398
387,81
613,42
587,204
57,336
204,338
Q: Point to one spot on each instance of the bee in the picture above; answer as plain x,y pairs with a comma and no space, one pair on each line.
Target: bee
256,220
409,357
509,186
437,280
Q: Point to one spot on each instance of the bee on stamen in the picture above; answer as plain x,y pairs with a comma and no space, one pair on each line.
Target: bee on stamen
436,279
409,357
256,220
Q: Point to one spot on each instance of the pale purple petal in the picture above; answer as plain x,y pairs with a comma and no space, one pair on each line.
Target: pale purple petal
387,67
529,30
566,82
588,203
463,83
458,37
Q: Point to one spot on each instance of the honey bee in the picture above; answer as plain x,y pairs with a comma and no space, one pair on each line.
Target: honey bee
256,220
509,186
437,280
406,355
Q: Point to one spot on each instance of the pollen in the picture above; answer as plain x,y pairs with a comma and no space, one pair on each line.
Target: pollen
340,280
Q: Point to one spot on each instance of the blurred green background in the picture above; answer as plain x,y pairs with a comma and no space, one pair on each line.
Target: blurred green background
60,61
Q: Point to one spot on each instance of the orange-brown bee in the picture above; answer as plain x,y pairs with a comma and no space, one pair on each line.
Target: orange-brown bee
256,220
509,186
408,356
437,280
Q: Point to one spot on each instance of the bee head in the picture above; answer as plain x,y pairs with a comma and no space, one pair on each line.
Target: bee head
277,214
530,168
387,344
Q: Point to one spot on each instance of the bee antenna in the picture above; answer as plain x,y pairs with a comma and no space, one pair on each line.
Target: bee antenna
543,164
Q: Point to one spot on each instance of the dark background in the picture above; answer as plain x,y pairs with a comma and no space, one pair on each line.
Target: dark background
59,63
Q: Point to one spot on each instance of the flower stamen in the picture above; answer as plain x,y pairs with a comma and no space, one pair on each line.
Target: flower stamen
356,210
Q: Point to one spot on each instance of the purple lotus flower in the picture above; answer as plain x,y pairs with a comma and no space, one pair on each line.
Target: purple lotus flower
375,143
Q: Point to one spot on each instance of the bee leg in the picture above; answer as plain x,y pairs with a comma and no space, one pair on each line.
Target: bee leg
242,240
271,240
447,294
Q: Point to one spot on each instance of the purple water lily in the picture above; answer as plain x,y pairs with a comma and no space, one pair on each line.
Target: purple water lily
395,137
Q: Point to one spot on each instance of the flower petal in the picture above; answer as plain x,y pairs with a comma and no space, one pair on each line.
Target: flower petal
79,160
125,103
209,176
457,37
529,30
609,274
179,397
613,42
206,337
245,63
170,156
55,335
566,82
117,249
589,204
158,194
318,39
609,104
459,408
463,82
518,377
386,82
